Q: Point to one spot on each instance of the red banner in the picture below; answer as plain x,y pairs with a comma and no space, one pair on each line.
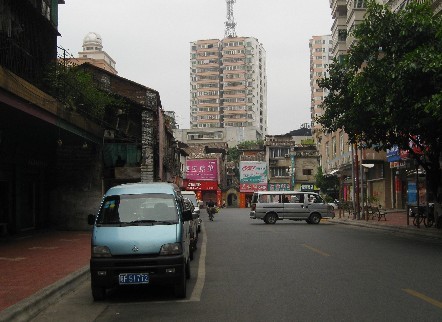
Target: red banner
252,187
200,185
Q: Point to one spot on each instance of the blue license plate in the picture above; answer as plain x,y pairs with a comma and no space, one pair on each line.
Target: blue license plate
134,278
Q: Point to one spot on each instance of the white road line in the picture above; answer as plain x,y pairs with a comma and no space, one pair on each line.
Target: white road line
201,278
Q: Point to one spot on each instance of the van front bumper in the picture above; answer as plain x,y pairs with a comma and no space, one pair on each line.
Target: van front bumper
162,270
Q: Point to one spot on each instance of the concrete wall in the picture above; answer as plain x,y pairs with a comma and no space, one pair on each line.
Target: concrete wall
77,190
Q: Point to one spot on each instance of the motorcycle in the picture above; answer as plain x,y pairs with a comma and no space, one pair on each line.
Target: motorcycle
211,211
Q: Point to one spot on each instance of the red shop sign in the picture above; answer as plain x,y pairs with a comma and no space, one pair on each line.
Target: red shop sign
200,185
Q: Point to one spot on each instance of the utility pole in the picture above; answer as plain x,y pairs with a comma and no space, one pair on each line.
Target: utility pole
356,181
230,23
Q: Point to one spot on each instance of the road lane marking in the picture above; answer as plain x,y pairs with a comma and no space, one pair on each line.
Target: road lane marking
423,297
201,278
313,249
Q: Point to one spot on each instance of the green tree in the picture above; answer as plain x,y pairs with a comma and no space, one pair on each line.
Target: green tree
328,184
388,90
76,89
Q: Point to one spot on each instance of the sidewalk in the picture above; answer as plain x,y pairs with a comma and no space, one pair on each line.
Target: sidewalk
396,220
37,269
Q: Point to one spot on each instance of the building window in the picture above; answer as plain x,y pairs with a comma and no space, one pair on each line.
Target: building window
279,172
307,172
279,152
341,142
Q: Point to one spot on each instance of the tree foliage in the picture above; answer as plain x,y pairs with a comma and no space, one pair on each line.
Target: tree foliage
388,90
328,184
78,92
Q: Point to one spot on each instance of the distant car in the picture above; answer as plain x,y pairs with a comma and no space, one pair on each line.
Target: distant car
334,204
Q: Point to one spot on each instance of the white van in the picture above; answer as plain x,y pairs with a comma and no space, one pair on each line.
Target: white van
272,206
140,237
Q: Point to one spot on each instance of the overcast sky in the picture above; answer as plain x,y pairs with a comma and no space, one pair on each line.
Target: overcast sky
150,40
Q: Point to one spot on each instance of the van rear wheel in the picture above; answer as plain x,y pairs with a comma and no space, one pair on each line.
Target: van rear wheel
270,218
315,218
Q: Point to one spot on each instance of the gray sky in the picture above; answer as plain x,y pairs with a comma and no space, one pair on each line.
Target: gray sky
149,40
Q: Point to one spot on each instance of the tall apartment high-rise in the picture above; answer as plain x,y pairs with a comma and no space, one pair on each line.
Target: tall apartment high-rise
228,85
320,58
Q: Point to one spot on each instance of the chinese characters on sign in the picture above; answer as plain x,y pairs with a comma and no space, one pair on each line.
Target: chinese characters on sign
250,187
202,169
253,176
279,187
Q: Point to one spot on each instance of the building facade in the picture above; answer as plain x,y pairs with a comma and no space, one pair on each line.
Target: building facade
363,173
228,85
93,54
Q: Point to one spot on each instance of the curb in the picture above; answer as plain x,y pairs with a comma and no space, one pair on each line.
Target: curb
31,306
407,230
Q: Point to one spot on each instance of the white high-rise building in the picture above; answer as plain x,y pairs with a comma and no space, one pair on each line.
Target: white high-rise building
228,86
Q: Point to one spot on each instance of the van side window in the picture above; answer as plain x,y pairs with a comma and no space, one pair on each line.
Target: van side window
110,212
297,198
275,198
264,199
314,199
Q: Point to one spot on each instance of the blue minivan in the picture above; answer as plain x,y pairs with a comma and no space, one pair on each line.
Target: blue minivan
141,237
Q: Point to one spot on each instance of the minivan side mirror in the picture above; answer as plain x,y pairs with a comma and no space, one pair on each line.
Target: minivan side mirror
91,219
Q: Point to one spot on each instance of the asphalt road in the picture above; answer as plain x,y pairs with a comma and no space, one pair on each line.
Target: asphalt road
245,270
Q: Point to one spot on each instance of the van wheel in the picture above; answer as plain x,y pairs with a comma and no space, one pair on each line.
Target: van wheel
270,218
180,287
315,218
98,293
308,221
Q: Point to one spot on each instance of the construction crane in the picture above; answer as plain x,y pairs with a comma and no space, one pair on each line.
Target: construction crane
230,23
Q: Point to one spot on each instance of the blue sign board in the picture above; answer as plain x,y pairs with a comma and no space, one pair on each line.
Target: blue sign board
393,154
412,193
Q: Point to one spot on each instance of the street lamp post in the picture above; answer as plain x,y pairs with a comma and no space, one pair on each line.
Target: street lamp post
291,172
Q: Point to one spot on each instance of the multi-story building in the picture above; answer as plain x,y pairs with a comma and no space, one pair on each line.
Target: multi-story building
93,54
397,5
320,58
228,85
366,168
292,162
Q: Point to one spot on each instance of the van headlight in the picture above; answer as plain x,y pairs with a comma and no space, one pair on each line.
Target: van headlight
171,249
101,251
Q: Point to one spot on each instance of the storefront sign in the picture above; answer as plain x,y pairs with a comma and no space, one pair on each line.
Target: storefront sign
200,185
307,187
393,154
252,175
202,169
252,187
279,187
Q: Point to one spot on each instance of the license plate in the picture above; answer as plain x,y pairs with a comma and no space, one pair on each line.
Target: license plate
134,278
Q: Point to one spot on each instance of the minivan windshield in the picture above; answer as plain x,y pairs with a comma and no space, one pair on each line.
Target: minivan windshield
138,209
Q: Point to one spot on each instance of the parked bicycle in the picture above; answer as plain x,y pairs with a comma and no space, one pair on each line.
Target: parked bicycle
423,214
